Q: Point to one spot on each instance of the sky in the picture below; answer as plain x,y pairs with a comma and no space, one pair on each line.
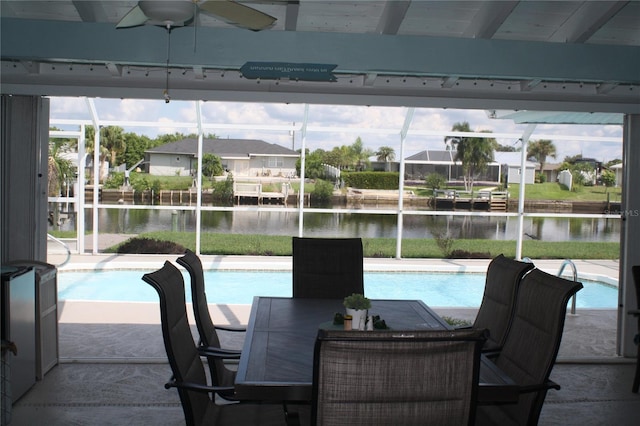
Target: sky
376,126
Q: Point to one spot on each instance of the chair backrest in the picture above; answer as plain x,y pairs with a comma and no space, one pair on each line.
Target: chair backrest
182,353
499,299
329,268
531,348
207,330
393,377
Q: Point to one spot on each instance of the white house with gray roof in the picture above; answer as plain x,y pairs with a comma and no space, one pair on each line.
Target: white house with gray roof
241,157
419,165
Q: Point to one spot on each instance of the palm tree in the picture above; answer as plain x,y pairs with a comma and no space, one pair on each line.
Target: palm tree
113,140
360,154
475,154
103,153
386,154
60,170
540,150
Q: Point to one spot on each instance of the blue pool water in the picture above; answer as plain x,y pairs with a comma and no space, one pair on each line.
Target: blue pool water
239,287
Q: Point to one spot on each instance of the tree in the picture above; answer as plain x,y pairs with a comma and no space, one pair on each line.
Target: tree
572,159
506,148
608,164
540,150
90,140
360,154
386,154
608,179
340,157
167,138
211,165
112,138
313,164
60,170
474,153
435,181
135,146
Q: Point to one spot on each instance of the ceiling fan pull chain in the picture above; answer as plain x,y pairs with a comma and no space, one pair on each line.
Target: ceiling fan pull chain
167,98
195,25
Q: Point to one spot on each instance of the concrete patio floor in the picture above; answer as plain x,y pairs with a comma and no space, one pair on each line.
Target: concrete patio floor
113,364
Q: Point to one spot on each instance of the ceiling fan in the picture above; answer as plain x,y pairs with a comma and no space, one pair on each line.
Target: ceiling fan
180,13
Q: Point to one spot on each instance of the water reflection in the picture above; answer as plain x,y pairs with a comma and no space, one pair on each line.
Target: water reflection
337,224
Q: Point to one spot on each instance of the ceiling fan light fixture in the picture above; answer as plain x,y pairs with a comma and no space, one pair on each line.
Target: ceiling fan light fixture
173,13
178,13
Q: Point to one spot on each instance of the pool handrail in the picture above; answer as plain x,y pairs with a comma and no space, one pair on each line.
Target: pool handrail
575,278
63,244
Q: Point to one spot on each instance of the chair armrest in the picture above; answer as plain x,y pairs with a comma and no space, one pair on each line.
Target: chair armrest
230,328
219,352
220,390
549,384
492,353
463,327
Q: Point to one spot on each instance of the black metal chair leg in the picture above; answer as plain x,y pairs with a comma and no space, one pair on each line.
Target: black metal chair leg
636,380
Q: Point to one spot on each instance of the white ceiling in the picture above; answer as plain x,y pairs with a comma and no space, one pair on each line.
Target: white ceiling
536,55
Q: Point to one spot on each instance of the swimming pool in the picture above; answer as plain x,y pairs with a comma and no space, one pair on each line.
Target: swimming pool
239,287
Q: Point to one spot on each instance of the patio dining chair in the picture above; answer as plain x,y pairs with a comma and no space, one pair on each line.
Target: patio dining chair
635,271
530,350
407,378
220,373
499,299
189,376
330,268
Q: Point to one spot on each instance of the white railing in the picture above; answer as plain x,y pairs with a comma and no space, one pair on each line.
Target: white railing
63,244
575,278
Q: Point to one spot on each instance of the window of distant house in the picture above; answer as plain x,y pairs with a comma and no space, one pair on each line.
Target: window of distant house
275,162
177,159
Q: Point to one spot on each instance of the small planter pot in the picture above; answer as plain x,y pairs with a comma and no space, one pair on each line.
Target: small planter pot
359,318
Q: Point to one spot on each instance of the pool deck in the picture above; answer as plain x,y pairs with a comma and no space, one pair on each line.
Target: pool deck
602,270
113,365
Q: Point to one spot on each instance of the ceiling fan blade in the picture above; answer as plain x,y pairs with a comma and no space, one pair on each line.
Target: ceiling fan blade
134,18
238,14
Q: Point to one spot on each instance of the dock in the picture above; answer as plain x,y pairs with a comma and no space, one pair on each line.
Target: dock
494,201
253,192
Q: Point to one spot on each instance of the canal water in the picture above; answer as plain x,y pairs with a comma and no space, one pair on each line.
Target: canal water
338,224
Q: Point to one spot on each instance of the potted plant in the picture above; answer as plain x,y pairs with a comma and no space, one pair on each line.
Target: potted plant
357,306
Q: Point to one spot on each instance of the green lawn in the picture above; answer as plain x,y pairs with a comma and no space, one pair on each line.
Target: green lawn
275,245
555,191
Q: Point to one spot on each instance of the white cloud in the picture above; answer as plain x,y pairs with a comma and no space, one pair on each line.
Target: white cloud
360,118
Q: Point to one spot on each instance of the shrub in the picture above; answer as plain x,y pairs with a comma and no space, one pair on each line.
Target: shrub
223,191
608,178
444,241
322,192
435,181
114,181
211,165
156,186
141,184
149,246
372,180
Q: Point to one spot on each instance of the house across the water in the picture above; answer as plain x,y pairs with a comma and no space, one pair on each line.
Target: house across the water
505,165
241,157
